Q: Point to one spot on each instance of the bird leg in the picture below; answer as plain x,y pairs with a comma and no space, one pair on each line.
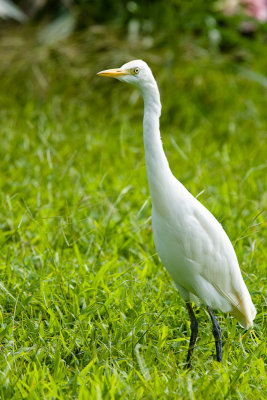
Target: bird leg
216,330
194,331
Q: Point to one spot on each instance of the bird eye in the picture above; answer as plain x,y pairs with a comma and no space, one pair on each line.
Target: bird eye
136,70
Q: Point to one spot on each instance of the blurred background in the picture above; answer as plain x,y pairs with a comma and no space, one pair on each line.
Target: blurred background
85,35
209,58
44,43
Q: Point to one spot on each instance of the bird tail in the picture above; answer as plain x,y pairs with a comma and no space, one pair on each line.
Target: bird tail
245,311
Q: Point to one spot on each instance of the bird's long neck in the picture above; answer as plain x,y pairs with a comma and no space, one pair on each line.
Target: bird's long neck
158,170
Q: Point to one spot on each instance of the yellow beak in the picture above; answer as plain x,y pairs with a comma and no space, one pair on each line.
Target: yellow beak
113,73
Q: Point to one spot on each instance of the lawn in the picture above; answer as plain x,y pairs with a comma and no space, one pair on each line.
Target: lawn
87,309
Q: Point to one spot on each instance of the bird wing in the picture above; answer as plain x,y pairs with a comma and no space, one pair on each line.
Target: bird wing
208,246
198,254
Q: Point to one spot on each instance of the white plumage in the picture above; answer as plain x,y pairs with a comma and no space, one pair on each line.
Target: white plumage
191,243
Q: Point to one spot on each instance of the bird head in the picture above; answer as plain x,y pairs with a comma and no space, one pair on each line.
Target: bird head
136,72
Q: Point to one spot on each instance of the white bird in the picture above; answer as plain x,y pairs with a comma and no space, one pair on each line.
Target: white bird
189,240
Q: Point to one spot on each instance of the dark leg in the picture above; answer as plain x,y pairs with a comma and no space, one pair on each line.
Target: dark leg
216,330
194,331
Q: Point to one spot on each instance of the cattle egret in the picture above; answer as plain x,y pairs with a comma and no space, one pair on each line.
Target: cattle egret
190,242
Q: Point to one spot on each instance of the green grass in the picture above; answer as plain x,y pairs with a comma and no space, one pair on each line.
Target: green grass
87,309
